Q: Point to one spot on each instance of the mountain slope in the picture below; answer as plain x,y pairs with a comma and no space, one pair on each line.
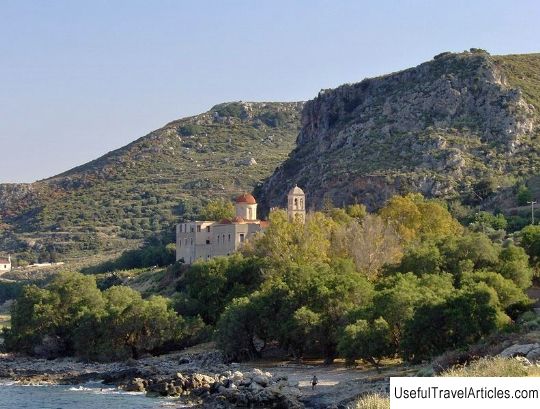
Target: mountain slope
458,126
143,188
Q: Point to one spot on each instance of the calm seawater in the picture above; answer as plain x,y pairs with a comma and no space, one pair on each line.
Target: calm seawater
90,395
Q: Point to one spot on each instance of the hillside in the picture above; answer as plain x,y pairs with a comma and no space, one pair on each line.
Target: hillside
461,126
141,189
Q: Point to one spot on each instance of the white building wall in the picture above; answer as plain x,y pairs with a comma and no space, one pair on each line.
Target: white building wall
203,240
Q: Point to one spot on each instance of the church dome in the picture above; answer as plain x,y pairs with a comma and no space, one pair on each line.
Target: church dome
296,191
246,198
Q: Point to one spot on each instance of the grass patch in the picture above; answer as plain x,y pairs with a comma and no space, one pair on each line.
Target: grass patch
372,401
5,321
496,366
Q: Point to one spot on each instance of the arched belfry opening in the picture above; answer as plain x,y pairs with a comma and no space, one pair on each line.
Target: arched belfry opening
296,200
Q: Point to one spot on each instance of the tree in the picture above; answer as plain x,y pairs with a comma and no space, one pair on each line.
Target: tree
417,218
292,241
424,258
370,341
33,315
398,296
524,195
530,240
372,243
299,306
116,324
460,320
356,211
207,287
489,220
508,293
304,325
236,330
218,209
514,265
469,252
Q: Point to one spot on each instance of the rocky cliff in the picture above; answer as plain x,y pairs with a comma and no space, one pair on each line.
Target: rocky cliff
441,128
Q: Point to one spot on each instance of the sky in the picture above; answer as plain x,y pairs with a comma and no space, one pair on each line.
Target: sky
81,78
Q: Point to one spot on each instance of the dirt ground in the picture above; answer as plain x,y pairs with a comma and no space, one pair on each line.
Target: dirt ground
337,383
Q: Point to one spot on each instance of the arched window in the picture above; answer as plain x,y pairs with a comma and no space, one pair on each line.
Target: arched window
295,203
301,203
250,212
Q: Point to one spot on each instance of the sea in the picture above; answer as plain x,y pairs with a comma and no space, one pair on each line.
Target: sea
86,396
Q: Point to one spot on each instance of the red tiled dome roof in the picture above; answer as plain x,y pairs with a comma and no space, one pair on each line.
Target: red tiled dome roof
246,198
238,219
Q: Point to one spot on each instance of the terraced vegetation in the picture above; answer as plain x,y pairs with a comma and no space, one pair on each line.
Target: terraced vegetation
142,189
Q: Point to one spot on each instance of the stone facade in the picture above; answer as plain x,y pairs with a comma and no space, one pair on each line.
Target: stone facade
5,265
296,204
202,240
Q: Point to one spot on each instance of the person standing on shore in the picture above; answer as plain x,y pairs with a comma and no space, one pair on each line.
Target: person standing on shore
314,382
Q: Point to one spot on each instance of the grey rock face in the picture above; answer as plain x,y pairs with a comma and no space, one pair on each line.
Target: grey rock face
520,350
421,129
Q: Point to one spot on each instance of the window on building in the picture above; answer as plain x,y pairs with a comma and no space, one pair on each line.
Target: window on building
296,203
250,212
218,239
242,237
229,237
192,241
207,241
208,229
192,229
198,229
223,239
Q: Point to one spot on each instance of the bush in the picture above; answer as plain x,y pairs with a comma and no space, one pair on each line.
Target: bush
233,109
189,130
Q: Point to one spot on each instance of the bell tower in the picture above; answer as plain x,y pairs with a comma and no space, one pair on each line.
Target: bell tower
296,204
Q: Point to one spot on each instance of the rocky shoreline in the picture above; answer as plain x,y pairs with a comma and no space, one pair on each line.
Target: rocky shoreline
202,379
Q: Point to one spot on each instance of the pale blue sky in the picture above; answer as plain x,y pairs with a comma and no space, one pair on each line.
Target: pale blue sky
81,78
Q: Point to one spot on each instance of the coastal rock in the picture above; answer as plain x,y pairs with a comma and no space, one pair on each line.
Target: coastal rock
136,385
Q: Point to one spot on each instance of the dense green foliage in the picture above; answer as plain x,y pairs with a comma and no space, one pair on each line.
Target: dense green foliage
409,281
71,316
206,288
360,285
